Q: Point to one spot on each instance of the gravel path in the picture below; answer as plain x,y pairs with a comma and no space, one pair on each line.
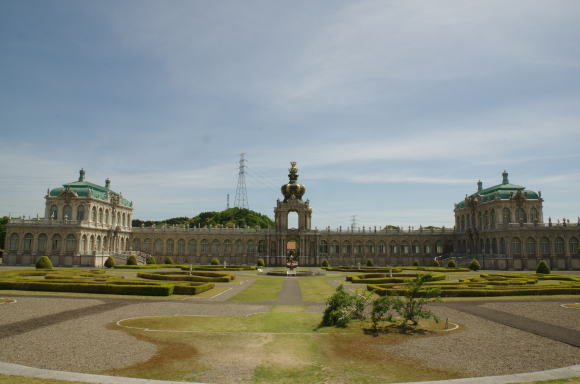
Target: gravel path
290,293
548,312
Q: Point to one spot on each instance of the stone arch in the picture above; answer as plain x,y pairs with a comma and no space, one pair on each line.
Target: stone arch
545,247
181,247
27,243
56,243
191,247
81,212
531,247
516,246
204,247
70,243
573,246
215,247
84,245
559,247
14,242
169,247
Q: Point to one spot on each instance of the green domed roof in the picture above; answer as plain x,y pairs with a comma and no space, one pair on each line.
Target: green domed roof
84,188
503,191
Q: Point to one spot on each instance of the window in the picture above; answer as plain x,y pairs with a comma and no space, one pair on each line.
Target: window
559,246
251,247
358,248
239,247
370,248
100,215
492,219
545,246
507,216
204,246
501,246
191,247
107,217
439,247
573,246
54,212
485,220
84,244
67,212
81,212
105,243
382,248
92,243
147,245
534,215
405,248
27,242
323,247
516,246
56,240
462,223
181,247
262,247
71,243
521,216
394,249
487,246
136,245
494,246
427,248
94,215
42,240
334,248
531,248
98,243
215,247
346,248
14,240
158,247
169,247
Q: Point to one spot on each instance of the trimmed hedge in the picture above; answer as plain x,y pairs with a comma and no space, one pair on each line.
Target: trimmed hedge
44,263
363,269
110,262
116,289
184,276
131,260
382,278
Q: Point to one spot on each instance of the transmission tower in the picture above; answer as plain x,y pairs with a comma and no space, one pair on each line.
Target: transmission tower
241,200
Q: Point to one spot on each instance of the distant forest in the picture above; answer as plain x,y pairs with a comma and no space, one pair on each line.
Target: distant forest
233,217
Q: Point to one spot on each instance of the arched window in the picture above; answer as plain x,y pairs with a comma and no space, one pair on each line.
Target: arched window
573,246
93,248
494,246
67,212
531,247
99,244
53,212
346,248
507,216
462,223
439,247
107,217
81,212
469,221
262,247
382,248
479,221
94,215
169,247
14,242
487,246
147,245
105,244
84,244
516,247
358,248
191,247
502,247
545,246
118,218
158,246
323,247
136,245
239,247
534,215
370,248
334,248
56,240
485,220
521,216
405,248
71,243
204,246
416,248
123,218
181,247
227,247
100,215
393,248
559,246
42,241
492,219
27,245
215,247
129,222
251,247
427,248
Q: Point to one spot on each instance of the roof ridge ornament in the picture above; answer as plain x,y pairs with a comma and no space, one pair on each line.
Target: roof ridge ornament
505,179
82,175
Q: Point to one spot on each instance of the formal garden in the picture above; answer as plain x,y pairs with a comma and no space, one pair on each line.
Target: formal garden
238,324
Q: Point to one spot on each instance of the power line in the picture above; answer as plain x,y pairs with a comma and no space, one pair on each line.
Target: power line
241,200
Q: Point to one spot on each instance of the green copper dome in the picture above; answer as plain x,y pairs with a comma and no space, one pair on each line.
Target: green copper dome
503,191
83,188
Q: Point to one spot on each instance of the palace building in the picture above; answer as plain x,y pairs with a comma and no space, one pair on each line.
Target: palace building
501,226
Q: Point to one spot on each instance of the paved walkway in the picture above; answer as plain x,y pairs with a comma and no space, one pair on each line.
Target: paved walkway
21,370
290,293
540,328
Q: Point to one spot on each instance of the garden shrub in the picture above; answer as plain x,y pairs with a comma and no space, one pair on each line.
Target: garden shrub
324,263
261,263
131,260
382,310
44,263
474,265
543,268
370,263
110,262
338,311
169,260
451,264
215,261
436,263
416,263
151,260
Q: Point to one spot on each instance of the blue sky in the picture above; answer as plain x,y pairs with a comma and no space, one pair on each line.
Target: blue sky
392,109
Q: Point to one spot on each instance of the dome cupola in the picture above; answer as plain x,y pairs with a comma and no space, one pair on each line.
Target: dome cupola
293,189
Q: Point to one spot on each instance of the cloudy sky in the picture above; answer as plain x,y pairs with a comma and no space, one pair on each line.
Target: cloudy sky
392,109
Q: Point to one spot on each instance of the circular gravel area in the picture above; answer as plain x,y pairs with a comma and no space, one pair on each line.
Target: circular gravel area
548,312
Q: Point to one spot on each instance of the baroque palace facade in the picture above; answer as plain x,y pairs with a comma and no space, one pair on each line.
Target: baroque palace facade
502,226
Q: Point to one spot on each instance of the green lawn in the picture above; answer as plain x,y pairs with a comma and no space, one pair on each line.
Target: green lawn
315,289
263,289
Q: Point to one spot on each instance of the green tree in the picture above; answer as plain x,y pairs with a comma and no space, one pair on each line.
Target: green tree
451,264
474,265
44,263
383,309
110,262
131,260
150,260
543,267
169,260
412,306
215,261
261,263
416,263
436,263
370,263
343,306
324,263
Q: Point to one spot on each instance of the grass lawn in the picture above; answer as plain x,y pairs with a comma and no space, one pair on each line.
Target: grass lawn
285,348
263,289
9,379
315,289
